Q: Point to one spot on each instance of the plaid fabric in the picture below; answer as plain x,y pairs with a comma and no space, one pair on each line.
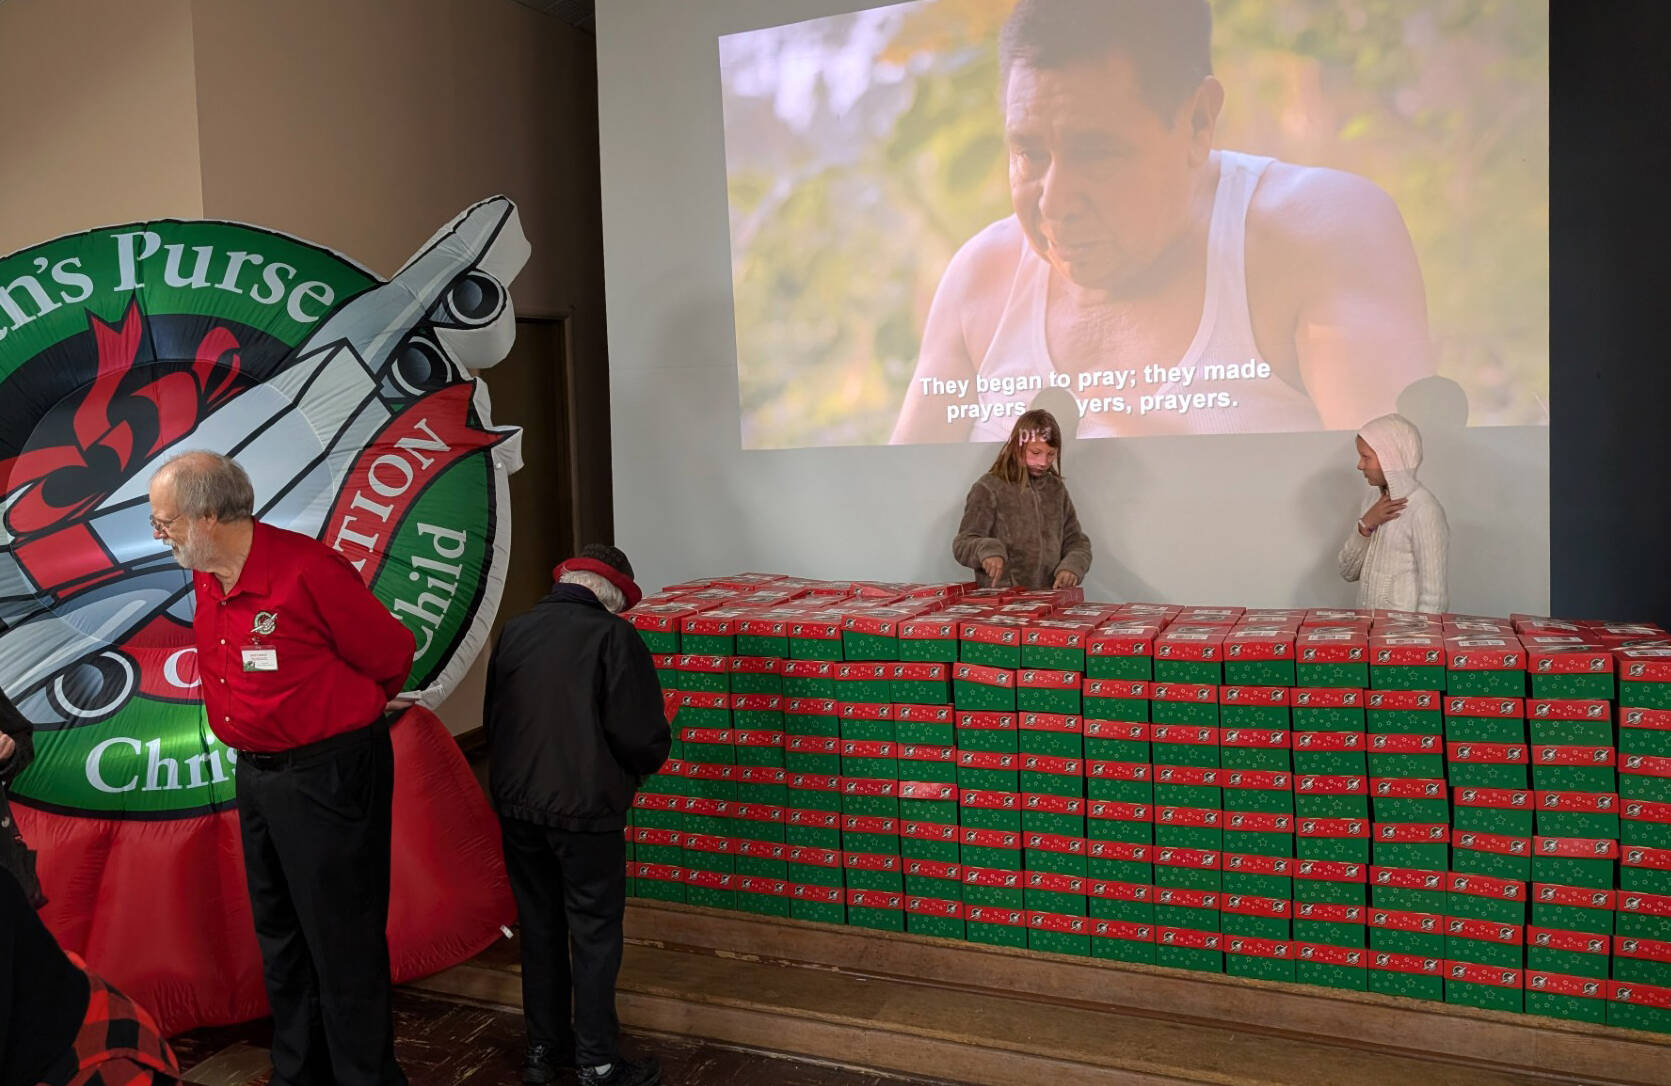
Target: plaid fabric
118,1045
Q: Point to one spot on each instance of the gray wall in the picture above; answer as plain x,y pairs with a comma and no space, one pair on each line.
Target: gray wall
1251,520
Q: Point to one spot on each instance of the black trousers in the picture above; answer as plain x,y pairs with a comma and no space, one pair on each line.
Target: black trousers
316,823
571,891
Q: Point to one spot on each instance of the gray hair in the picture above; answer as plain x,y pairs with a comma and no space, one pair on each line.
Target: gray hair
607,594
210,484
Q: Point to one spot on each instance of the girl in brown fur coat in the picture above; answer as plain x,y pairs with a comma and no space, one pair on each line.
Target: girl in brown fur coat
1019,526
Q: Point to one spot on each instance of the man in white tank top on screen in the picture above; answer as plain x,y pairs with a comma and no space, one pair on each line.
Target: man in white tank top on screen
1177,288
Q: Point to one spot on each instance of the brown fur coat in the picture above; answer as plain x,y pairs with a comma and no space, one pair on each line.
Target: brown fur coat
1031,525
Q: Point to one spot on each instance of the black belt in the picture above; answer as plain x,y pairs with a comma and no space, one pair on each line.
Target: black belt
307,752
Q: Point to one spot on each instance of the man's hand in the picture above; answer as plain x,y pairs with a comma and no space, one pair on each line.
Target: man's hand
398,705
1066,578
993,568
1386,509
8,747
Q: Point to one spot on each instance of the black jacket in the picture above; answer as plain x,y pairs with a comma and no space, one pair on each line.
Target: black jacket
43,996
573,715
15,855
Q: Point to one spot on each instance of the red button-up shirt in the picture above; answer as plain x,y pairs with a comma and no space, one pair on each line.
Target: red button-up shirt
340,654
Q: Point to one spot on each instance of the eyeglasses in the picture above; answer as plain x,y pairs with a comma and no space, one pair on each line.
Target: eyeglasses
161,524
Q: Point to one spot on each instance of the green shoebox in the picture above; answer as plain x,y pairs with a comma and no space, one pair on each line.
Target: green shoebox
978,688
1404,712
938,920
1258,959
1637,779
1508,811
1329,754
1410,846
930,725
1487,765
1337,676
1273,924
1473,729
1574,1008
763,636
1634,1016
1572,733
1498,950
1411,677
1590,815
1570,953
1328,974
812,716
1409,890
1259,672
1486,898
1119,861
1184,745
756,675
1257,843
1043,691
1503,996
1195,958
932,841
1062,816
995,926
862,638
864,681
1050,941
867,721
1645,824
875,909
929,764
1411,976
1409,799
993,732
1189,671
1326,718
1047,775
1404,931
1486,684
763,904
819,904
1254,707
1115,699
1054,860
1121,652
1056,643
1123,941
1644,731
1327,795
1259,749
1641,870
710,633
1572,908
660,883
989,643
710,889
1254,790
1572,686
928,639
812,754
814,639
1119,820
1498,856
1056,735
1186,869
1183,703
1055,893
920,683
813,679
1645,695
1575,768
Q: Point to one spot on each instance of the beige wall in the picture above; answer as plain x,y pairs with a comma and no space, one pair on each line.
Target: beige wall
101,116
362,125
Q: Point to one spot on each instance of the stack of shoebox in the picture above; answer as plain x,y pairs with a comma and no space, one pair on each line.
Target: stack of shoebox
1391,802
1640,996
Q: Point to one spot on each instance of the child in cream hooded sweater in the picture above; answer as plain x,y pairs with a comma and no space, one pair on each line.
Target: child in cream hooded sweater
1397,549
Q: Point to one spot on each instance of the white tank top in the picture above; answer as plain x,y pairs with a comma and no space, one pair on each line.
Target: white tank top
1223,336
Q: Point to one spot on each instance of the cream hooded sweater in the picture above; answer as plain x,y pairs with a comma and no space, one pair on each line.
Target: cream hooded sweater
1402,565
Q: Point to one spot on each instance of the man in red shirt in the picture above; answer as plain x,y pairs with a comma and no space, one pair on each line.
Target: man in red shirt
299,663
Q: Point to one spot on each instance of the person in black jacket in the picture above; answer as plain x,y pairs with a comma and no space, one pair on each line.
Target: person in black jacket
61,1023
574,722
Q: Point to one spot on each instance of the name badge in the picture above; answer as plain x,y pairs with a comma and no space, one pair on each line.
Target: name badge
260,659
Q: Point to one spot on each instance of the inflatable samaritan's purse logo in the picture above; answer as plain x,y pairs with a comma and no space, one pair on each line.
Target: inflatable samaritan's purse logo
348,400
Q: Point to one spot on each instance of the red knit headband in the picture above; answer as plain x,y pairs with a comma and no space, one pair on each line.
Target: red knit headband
629,590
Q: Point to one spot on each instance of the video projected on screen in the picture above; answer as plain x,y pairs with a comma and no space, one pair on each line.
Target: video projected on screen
1269,217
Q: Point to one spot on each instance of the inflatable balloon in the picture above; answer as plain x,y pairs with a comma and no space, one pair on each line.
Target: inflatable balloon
350,402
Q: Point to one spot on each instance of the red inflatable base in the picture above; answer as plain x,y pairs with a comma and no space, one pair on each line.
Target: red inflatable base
159,908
